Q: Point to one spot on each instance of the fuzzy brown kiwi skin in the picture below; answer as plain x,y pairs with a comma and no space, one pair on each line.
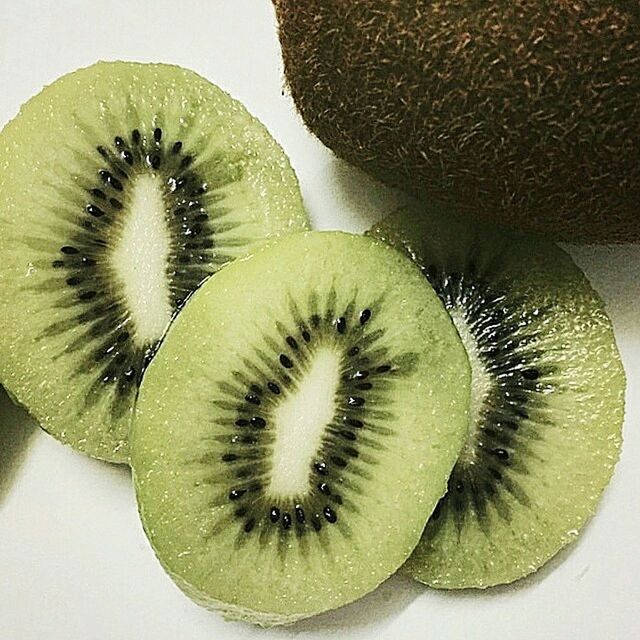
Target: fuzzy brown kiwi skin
521,111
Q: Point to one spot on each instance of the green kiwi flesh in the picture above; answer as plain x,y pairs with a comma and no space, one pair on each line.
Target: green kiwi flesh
547,399
524,112
300,418
122,187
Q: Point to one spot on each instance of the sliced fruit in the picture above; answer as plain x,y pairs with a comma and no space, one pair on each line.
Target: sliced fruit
547,399
301,416
122,187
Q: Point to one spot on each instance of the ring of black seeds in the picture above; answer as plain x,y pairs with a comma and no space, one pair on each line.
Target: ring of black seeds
506,345
194,214
358,428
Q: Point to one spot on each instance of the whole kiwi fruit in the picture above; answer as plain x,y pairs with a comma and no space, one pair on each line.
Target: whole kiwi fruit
523,111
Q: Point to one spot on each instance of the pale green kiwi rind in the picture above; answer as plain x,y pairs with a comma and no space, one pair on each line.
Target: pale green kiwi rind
578,452
207,340
39,148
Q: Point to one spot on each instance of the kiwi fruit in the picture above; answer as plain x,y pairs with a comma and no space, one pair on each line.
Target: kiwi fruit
547,399
122,187
299,420
520,111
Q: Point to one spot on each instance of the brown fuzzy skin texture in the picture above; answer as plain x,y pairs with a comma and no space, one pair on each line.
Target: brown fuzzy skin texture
526,112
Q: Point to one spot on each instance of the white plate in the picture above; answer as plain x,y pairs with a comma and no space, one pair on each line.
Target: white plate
74,563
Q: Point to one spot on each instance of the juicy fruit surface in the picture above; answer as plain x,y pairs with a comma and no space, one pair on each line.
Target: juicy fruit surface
547,399
122,187
297,424
526,112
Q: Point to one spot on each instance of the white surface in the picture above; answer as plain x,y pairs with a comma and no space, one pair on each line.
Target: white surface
74,563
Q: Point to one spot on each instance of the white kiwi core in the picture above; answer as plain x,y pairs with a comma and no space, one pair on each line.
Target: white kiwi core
480,386
140,257
300,421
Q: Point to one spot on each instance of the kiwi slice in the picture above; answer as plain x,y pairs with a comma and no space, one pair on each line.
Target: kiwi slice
547,399
122,187
300,418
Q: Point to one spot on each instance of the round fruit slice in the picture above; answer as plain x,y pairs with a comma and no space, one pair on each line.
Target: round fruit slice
122,187
547,399
300,418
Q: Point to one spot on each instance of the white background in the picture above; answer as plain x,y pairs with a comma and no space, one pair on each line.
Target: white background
74,563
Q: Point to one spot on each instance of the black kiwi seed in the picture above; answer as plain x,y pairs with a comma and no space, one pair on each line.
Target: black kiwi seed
157,134
94,211
236,494
286,520
273,387
274,514
330,515
365,315
299,511
341,325
291,341
285,361
154,160
320,467
249,525
324,488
